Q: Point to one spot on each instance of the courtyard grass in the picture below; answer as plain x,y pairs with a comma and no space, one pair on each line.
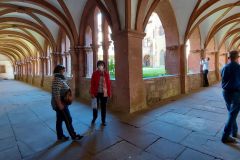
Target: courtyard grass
148,72
153,72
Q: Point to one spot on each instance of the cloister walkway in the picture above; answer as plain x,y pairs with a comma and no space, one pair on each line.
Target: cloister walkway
186,129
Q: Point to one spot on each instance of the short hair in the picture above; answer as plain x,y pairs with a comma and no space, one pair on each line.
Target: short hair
233,55
101,63
208,58
58,68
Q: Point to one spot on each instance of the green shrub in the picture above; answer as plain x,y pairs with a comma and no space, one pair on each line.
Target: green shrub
111,68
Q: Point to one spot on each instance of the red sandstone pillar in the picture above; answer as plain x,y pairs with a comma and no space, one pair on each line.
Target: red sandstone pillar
42,69
226,58
130,92
172,61
217,69
54,59
95,55
183,69
106,42
46,65
74,52
203,55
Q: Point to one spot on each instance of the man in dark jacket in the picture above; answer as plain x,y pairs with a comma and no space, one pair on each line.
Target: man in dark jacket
231,93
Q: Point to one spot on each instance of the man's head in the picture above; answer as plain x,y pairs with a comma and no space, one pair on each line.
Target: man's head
208,59
233,55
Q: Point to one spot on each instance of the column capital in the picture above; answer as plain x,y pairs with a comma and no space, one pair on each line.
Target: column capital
75,49
128,33
196,51
224,53
94,46
56,53
87,49
211,52
106,44
66,53
174,47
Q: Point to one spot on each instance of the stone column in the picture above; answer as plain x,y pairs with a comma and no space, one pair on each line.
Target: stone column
29,70
65,56
59,58
46,65
226,58
54,59
37,66
172,61
42,69
183,69
25,70
17,71
88,63
106,42
33,69
130,89
217,69
22,71
105,52
203,55
95,55
74,51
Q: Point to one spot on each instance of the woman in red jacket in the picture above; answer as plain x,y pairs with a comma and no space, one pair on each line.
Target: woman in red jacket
100,89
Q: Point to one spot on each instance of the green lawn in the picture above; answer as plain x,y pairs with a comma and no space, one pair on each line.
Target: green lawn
153,72
149,72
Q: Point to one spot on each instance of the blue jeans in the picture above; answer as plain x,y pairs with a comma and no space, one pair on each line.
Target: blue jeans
232,100
64,116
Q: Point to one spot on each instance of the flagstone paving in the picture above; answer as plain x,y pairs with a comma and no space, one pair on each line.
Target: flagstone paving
188,128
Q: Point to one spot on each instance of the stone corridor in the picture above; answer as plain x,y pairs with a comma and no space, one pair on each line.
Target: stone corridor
185,129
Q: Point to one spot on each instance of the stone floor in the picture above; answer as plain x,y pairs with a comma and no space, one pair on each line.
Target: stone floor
186,129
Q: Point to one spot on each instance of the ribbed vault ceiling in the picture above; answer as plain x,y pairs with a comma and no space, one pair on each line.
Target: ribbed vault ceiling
27,25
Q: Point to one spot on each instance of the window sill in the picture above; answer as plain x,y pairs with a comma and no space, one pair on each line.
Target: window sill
159,77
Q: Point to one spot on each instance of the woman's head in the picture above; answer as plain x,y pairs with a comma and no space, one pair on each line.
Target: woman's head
101,65
59,69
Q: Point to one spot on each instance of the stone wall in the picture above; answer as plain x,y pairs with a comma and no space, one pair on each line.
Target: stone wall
194,82
212,78
85,96
84,89
158,89
47,85
36,81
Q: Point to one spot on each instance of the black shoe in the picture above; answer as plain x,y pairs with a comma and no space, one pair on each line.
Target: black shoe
235,135
229,140
93,122
104,124
63,138
77,137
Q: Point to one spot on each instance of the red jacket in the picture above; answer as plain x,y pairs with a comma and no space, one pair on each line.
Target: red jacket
95,82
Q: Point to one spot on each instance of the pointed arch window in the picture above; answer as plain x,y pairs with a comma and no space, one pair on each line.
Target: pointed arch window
154,48
98,43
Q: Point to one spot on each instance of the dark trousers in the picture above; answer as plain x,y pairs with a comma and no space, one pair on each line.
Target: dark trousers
232,100
102,102
64,115
205,78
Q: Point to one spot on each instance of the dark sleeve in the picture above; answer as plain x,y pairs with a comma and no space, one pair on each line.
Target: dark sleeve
222,72
92,84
